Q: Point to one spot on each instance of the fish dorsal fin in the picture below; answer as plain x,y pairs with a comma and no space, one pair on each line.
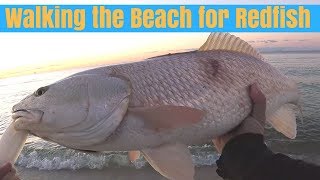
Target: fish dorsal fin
229,42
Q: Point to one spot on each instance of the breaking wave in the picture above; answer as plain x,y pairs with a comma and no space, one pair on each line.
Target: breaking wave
54,157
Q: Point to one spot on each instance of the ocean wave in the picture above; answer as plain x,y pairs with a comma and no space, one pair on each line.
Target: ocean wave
53,159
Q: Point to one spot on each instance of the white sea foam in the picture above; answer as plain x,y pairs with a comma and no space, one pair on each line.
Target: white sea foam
71,159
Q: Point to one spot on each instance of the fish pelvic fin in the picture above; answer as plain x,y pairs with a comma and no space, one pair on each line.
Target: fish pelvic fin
173,161
284,121
226,41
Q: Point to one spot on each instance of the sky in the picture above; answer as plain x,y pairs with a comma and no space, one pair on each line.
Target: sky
24,53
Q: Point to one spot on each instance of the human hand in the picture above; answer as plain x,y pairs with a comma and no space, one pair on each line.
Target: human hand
252,124
8,172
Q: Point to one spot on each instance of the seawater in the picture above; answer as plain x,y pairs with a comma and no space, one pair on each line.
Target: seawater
304,68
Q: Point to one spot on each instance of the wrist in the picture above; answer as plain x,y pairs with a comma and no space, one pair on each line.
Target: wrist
241,154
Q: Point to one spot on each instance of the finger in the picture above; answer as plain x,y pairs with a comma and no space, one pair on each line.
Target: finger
259,103
256,94
5,169
251,125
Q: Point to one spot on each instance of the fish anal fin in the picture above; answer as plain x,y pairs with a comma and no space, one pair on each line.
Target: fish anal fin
167,117
172,161
284,121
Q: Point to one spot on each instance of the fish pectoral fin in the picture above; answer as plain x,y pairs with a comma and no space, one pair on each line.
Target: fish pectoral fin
284,121
167,117
133,155
172,161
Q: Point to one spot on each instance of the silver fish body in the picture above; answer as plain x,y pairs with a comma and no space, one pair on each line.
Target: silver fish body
213,81
160,105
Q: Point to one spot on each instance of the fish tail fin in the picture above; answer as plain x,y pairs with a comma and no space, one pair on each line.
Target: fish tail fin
284,121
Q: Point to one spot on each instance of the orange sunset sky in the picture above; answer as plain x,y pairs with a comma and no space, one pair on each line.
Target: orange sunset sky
33,53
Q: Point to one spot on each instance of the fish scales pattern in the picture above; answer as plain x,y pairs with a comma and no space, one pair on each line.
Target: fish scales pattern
203,80
213,81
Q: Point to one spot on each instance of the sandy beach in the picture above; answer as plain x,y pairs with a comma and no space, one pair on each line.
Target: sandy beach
202,173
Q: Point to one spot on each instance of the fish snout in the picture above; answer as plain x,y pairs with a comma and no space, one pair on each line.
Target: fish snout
19,107
14,108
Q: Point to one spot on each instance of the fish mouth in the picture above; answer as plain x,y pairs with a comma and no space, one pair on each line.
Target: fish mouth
29,115
19,113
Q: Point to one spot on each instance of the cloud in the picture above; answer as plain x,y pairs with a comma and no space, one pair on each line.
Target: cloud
264,41
275,41
270,41
303,40
296,40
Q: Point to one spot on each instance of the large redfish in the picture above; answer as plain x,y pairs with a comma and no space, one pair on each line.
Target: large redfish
161,105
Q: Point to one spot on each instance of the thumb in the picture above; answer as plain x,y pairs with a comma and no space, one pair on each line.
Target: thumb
251,125
259,102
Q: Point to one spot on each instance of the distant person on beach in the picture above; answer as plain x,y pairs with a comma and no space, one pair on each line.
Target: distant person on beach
244,155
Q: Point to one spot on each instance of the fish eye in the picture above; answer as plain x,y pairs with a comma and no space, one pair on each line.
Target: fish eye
41,91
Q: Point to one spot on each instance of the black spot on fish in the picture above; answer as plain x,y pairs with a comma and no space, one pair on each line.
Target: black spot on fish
215,66
211,67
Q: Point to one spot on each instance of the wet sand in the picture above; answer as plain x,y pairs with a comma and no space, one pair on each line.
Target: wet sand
202,173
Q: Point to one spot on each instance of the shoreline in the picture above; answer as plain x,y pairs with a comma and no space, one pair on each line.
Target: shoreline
202,173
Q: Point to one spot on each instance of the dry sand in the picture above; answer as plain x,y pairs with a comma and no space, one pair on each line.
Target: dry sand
202,173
